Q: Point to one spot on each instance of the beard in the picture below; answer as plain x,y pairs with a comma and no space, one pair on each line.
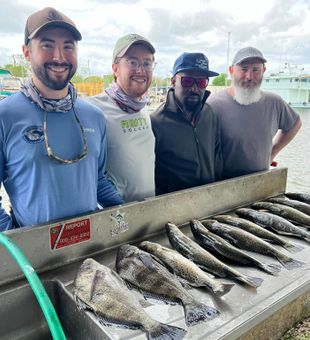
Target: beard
41,72
246,95
192,102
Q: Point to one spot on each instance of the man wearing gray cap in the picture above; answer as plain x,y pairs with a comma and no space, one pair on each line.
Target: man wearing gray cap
188,146
255,125
53,144
131,158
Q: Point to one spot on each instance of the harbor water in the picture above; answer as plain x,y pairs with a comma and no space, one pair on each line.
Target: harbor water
295,156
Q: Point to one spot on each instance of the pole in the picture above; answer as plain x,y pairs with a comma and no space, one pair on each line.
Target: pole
227,56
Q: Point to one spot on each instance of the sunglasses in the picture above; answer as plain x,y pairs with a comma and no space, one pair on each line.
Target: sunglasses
202,83
57,158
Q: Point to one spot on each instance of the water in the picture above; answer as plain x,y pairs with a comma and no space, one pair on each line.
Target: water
295,156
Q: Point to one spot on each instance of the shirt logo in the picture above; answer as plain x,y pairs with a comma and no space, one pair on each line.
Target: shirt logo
133,125
33,134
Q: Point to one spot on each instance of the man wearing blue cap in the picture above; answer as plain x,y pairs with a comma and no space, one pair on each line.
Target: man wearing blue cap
255,125
188,147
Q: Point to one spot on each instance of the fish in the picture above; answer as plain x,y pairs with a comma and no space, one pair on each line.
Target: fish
245,240
301,206
277,223
185,269
303,197
259,231
291,214
213,242
101,290
142,270
194,252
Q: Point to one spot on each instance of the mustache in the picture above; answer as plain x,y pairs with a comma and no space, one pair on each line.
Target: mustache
56,64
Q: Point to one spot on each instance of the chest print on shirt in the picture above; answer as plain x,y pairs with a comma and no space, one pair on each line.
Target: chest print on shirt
33,134
134,125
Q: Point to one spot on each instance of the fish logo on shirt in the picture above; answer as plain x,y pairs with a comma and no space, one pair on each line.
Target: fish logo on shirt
33,134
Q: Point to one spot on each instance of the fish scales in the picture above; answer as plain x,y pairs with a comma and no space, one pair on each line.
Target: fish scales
248,241
213,242
277,223
301,206
101,290
143,270
284,211
185,269
303,197
257,230
204,259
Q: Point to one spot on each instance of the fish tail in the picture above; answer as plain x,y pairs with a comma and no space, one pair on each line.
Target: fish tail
163,331
290,263
307,238
251,281
222,289
272,269
199,312
293,248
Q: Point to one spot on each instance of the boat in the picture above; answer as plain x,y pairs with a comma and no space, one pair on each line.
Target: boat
8,83
292,84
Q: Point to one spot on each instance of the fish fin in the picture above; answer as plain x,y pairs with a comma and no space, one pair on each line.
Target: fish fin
272,269
223,289
166,332
199,312
252,281
293,248
81,305
307,239
290,263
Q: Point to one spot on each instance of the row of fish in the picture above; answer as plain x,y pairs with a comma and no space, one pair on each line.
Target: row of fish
163,273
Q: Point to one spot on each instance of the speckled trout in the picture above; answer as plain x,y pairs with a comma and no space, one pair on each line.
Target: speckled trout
220,246
303,197
301,206
194,252
185,269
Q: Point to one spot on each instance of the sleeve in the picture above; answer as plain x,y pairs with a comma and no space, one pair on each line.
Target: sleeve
288,118
5,220
107,195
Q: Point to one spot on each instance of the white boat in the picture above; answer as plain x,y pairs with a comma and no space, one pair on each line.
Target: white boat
292,84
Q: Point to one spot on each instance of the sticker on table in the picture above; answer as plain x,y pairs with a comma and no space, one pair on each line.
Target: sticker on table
120,225
67,234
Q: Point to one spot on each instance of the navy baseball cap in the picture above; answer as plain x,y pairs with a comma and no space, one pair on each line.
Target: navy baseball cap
193,62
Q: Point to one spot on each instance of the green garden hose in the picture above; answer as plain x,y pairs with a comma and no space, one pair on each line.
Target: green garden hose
37,287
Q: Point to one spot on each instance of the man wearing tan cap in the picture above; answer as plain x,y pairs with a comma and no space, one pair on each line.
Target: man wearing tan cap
53,144
130,163
255,125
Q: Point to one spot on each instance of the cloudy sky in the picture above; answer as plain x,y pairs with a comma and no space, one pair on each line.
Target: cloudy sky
279,28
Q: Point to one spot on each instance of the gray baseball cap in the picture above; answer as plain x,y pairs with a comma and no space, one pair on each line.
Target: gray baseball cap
248,53
124,43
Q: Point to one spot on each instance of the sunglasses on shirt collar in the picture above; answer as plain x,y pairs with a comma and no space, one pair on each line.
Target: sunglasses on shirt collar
187,81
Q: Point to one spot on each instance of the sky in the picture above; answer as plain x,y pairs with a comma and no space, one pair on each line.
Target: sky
217,28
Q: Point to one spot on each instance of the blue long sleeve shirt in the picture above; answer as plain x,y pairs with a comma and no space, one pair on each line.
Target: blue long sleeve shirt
41,189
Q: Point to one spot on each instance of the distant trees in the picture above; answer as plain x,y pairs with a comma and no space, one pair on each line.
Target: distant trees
17,70
221,80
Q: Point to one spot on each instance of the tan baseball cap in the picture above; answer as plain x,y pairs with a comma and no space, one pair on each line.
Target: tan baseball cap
124,43
49,17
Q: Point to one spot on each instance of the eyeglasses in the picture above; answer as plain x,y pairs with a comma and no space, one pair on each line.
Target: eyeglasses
202,83
57,158
134,64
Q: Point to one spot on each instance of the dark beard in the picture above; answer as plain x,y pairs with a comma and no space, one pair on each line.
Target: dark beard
42,74
192,106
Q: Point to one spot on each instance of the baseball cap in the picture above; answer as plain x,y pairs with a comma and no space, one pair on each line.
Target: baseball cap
49,17
124,43
193,61
248,53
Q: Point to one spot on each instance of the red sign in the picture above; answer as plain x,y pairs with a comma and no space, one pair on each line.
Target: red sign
64,235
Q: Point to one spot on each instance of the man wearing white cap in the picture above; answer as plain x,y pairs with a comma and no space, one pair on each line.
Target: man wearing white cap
255,125
130,164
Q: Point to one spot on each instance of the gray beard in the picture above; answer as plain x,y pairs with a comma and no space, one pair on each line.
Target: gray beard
246,96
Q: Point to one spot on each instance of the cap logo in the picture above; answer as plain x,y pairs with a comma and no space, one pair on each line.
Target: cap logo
202,63
53,16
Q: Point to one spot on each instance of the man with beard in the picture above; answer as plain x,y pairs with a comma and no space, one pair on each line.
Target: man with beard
131,158
255,125
187,134
53,144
